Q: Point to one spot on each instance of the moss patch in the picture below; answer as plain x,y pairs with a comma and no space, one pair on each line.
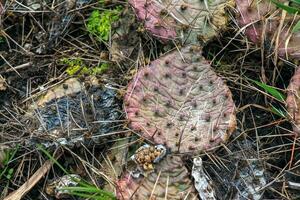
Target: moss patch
76,66
99,23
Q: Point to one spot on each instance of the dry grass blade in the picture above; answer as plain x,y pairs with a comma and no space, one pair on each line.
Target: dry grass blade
31,182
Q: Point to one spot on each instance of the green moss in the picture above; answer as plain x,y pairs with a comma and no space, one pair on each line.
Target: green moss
100,69
76,66
99,23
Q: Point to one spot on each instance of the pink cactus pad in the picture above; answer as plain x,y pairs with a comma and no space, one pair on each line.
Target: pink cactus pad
150,13
178,101
262,21
169,181
188,20
293,101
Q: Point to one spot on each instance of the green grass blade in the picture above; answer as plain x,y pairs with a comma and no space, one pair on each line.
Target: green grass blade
82,189
90,192
296,1
88,189
85,184
296,28
278,112
289,9
271,90
92,196
41,148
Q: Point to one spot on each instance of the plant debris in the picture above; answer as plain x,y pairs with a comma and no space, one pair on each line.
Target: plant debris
70,113
55,187
3,84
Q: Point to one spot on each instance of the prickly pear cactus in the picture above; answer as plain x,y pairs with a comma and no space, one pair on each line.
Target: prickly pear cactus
189,20
69,113
178,101
293,101
169,181
266,25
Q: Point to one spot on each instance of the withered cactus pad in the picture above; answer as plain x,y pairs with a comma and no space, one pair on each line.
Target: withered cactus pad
293,101
189,20
66,113
180,102
169,181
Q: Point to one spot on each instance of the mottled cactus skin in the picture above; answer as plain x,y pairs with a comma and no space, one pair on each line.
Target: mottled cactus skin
169,181
262,21
181,104
189,20
293,101
152,14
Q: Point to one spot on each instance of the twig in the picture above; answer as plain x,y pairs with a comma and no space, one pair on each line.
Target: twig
34,179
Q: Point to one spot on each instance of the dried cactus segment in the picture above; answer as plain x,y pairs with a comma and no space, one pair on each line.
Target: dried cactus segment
66,114
55,188
293,101
251,180
70,86
178,101
203,184
262,22
189,20
169,181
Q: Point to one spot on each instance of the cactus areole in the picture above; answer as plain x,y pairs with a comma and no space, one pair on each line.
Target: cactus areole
178,101
293,101
189,20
